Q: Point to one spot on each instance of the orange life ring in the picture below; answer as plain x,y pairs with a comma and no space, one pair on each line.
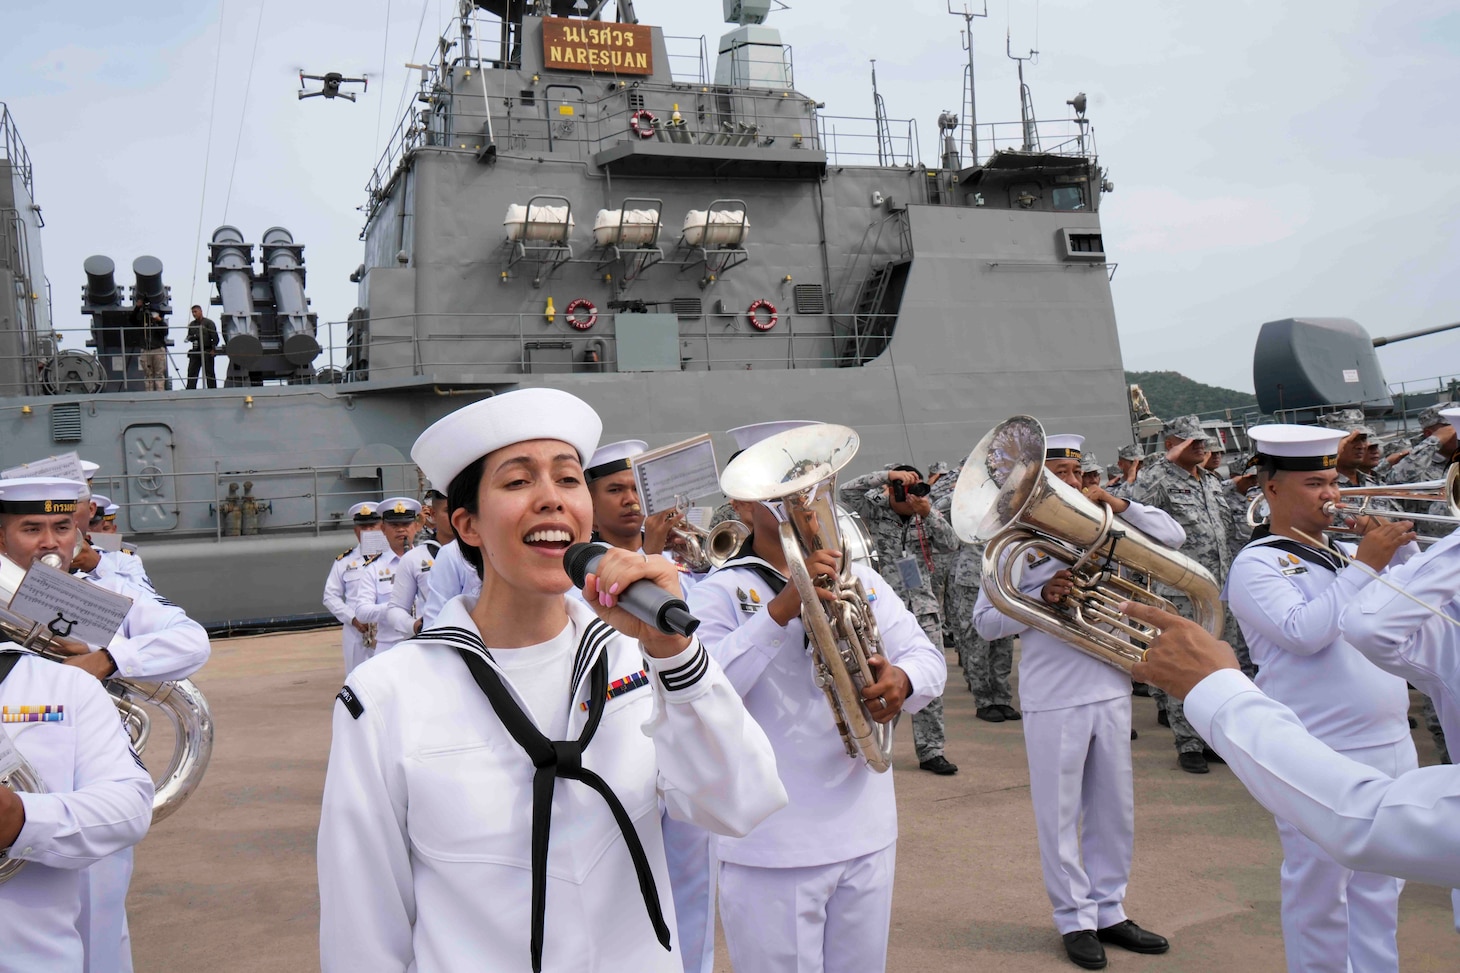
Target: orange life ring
570,313
761,304
641,123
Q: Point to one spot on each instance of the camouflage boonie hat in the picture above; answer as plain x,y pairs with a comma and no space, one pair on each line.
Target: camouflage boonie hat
1088,462
1130,452
1185,427
1431,416
1349,420
937,468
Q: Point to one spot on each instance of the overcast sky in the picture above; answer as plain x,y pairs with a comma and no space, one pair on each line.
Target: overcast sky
1270,159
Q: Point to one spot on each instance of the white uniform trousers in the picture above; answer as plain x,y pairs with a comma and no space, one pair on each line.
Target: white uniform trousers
690,856
355,651
1084,809
103,920
1334,919
818,919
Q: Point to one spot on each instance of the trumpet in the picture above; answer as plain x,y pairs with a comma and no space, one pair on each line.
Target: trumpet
179,701
1446,491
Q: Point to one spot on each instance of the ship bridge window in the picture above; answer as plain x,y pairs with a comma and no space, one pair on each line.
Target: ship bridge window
1069,198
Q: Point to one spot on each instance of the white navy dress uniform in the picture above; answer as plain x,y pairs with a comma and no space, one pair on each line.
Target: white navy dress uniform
1288,598
416,729
450,576
372,605
98,797
688,848
1077,714
340,587
408,592
827,860
157,642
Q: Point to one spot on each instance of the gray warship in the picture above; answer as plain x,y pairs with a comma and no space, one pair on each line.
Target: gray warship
673,231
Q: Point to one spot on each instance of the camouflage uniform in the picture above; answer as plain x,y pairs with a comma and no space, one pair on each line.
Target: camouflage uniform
1426,462
986,665
724,512
921,538
1199,504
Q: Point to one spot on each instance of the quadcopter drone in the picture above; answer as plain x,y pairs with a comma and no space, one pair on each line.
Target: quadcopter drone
330,85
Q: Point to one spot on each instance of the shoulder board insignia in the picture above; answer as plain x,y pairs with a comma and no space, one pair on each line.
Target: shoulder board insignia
352,703
343,554
371,558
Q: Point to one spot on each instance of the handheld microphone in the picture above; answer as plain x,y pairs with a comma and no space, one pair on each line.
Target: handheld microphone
643,599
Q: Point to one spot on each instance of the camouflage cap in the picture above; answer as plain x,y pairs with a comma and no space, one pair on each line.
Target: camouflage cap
1088,462
1112,470
939,467
1185,427
1349,420
1431,416
1130,452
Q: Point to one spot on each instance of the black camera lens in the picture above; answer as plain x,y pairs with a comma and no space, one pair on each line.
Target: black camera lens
920,489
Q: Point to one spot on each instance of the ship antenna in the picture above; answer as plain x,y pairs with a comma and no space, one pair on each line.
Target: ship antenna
970,104
1026,100
885,154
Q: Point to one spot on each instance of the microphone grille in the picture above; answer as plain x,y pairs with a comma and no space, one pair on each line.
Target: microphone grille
576,558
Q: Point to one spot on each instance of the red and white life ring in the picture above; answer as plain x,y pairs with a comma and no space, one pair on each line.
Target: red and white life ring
570,313
641,123
751,314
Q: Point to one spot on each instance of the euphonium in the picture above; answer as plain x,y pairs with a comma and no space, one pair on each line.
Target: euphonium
1006,497
794,474
179,701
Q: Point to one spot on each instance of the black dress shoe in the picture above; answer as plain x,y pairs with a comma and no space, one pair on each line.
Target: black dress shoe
939,765
1084,949
1162,718
1140,689
1193,762
1212,756
1010,713
1412,723
990,714
1133,734
1128,935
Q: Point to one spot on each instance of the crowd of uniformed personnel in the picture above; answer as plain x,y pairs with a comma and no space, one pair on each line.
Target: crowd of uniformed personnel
478,680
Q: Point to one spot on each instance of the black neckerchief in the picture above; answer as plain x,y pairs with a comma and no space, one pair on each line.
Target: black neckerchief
748,559
8,661
1313,555
563,758
434,547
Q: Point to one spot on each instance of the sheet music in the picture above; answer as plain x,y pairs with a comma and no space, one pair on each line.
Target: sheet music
680,471
373,542
66,466
70,607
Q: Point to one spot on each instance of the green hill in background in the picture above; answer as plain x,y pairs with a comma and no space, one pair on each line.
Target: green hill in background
1173,394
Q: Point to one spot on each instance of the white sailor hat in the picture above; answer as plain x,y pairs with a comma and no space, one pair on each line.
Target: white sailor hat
747,436
1452,416
1302,448
455,442
367,512
102,502
613,458
89,468
110,512
39,495
399,510
1063,446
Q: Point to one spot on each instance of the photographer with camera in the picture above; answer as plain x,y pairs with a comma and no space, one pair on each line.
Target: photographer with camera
149,332
203,349
908,534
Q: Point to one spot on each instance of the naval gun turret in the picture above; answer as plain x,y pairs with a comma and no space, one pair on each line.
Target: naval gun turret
117,326
267,328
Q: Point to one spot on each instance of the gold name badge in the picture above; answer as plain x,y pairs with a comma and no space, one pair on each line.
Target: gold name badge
574,45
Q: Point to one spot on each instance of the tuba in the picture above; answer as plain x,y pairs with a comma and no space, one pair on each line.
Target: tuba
1006,497
794,474
180,702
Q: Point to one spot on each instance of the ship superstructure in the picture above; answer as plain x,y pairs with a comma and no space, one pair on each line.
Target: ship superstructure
684,238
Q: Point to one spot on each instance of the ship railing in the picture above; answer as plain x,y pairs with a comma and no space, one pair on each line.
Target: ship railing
499,347
1067,137
13,149
689,58
852,141
294,500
